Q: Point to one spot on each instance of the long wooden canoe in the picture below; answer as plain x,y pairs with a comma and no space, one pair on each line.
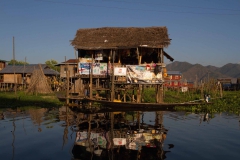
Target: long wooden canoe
142,105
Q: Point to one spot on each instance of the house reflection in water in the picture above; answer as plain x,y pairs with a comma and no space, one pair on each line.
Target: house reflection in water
110,136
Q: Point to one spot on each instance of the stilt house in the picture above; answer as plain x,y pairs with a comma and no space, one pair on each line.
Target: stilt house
20,75
121,62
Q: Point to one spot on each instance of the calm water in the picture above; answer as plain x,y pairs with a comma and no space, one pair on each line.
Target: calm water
50,134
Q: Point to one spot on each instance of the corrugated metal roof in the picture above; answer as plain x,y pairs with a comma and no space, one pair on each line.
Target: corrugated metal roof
70,61
174,73
9,69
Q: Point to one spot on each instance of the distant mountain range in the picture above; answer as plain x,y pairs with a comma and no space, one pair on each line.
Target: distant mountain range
193,72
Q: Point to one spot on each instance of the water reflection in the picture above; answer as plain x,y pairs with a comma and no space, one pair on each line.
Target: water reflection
113,136
37,115
204,118
13,134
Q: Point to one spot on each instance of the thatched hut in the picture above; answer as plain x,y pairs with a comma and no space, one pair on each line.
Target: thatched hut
115,56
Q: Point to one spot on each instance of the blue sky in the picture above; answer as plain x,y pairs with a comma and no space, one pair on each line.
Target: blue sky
202,31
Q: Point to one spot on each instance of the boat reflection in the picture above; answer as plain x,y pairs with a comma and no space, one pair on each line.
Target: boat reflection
112,136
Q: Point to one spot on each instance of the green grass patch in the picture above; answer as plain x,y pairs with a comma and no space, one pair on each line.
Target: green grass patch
20,99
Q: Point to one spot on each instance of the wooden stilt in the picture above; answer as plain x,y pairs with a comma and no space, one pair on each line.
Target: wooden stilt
112,80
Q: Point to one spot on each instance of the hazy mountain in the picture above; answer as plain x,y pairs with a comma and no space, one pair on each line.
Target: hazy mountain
179,66
212,68
232,70
193,72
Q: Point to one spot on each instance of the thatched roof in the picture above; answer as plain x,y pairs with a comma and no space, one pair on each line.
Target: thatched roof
118,37
29,68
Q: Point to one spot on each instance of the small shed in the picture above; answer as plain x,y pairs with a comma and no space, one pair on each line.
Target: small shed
71,66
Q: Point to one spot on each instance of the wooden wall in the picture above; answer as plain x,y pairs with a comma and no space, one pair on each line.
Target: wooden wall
71,68
9,78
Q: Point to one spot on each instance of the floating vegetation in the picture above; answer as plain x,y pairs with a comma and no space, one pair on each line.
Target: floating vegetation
230,103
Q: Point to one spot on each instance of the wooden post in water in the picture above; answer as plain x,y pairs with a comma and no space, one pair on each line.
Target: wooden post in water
24,78
138,119
91,79
67,78
111,130
112,80
74,71
124,96
14,61
133,95
81,90
159,87
89,131
202,95
139,93
221,92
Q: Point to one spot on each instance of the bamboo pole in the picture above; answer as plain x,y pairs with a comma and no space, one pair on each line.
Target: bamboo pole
24,80
15,87
139,57
75,70
112,80
139,93
111,129
89,131
221,92
160,86
91,79
67,78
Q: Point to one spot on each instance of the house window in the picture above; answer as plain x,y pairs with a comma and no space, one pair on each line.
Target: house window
176,77
75,69
65,69
175,83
